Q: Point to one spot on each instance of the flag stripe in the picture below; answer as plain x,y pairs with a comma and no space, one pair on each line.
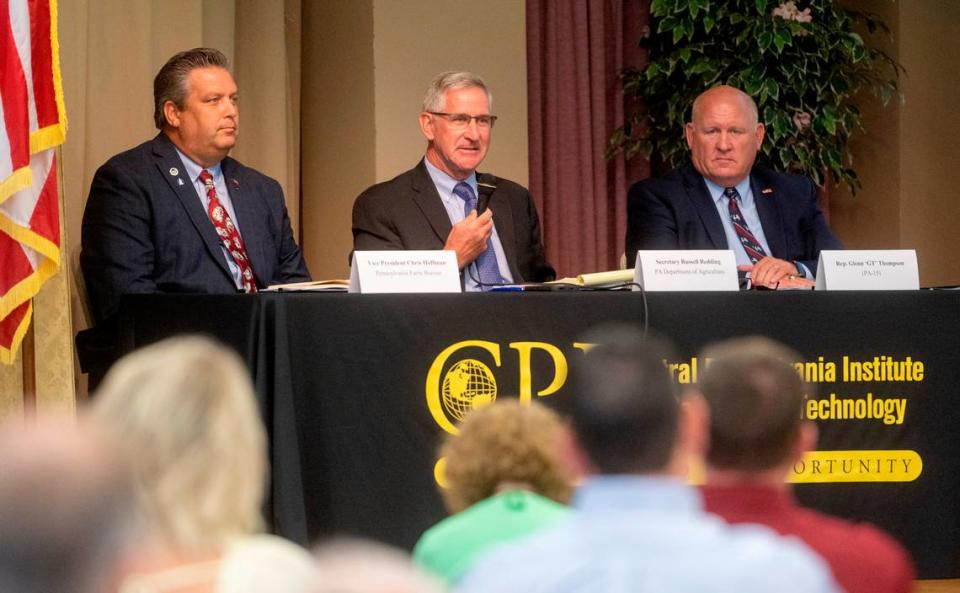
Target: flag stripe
32,124
13,95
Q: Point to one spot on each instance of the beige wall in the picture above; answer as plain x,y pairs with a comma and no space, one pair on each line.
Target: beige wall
908,159
373,60
338,131
929,133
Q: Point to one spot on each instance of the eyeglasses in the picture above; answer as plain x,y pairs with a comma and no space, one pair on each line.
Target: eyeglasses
462,120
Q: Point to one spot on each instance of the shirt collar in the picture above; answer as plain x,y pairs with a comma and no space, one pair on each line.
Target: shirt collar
193,169
445,183
743,188
634,492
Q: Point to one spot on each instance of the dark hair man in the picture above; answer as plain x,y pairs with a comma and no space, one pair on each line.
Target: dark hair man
637,526
176,214
756,435
770,220
435,204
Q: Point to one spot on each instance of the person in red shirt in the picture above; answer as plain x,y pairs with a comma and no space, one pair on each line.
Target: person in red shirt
755,397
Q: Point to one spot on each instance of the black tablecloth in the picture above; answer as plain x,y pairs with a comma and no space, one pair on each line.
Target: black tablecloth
345,385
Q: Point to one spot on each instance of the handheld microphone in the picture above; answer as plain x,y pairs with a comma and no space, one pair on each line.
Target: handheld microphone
486,184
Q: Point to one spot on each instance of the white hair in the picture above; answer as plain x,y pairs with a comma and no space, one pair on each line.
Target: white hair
433,99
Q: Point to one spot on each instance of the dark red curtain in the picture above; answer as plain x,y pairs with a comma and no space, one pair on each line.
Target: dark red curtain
575,52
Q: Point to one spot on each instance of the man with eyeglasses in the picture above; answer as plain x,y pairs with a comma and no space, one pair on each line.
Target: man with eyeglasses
443,203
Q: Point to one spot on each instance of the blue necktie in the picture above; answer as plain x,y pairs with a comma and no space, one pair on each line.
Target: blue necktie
488,271
749,242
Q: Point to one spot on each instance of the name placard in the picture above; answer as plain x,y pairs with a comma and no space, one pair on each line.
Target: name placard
881,269
687,270
404,271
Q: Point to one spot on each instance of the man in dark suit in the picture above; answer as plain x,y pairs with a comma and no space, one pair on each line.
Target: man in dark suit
176,214
770,220
434,205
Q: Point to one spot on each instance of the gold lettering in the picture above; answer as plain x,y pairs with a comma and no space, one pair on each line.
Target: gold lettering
525,350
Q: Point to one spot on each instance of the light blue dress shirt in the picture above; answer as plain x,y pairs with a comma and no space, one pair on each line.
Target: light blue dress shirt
632,533
223,196
454,207
748,207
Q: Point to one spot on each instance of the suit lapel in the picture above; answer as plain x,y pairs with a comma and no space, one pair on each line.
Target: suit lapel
248,218
427,198
765,198
172,170
704,206
503,221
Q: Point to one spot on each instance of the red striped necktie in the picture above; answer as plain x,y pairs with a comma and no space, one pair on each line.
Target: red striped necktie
749,242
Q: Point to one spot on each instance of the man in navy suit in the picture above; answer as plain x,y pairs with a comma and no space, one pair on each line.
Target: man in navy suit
176,214
774,226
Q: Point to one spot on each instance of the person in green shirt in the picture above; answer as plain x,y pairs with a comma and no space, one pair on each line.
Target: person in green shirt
504,479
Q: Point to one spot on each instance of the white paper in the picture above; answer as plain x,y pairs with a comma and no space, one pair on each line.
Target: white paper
687,270
880,269
404,271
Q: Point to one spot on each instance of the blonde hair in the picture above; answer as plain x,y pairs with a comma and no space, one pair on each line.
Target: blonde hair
185,411
506,442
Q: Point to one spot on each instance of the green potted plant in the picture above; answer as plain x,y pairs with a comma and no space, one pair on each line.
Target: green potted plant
803,66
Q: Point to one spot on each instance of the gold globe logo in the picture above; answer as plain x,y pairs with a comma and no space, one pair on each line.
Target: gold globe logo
467,386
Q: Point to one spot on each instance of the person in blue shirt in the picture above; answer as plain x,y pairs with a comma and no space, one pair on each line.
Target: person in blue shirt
636,525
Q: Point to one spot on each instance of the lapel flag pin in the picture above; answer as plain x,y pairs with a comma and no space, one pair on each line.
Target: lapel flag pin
174,171
767,190
234,183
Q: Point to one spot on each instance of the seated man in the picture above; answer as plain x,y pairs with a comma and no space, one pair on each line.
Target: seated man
435,204
770,220
176,214
636,525
756,435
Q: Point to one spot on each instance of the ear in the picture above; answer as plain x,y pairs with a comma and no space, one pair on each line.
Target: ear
806,440
694,428
172,114
426,126
761,130
688,134
575,461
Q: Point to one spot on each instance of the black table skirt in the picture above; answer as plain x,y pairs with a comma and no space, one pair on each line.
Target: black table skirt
345,388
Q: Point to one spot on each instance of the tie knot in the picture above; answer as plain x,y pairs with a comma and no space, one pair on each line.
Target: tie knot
731,193
206,177
465,192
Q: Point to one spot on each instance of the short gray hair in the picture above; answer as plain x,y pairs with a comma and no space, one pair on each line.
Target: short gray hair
433,99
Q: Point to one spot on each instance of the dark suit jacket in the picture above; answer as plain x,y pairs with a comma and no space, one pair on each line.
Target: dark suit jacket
407,213
677,212
144,232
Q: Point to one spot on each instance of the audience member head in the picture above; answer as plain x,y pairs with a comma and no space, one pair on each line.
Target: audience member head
505,445
724,135
755,397
457,122
625,410
185,408
66,509
359,566
195,104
